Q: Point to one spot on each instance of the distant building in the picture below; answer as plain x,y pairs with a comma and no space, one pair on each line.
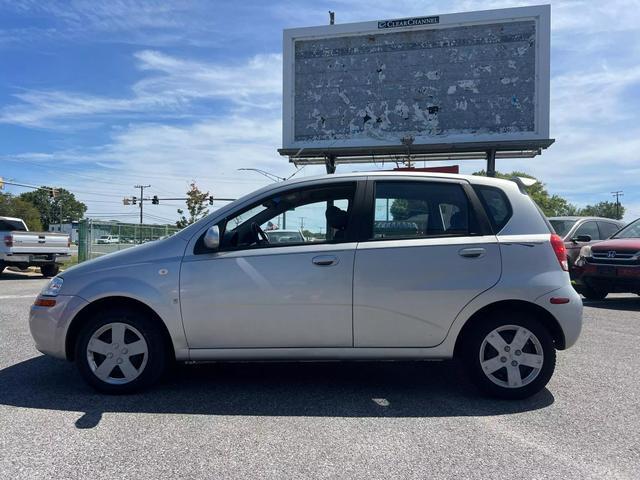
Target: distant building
70,229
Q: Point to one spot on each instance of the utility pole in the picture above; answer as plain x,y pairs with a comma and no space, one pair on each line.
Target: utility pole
141,187
618,194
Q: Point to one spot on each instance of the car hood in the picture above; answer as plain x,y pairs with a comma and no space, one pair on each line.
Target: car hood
619,244
149,252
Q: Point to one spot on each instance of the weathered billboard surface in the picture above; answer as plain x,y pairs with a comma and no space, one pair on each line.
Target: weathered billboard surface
472,77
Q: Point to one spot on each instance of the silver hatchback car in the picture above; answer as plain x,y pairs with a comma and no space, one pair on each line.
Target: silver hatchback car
391,266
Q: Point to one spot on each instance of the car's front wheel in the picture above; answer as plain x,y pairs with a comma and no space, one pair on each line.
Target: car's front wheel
120,351
510,355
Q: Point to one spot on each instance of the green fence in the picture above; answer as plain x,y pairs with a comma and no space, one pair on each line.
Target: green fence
96,239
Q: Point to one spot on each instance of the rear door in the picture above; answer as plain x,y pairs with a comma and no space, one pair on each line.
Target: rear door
427,251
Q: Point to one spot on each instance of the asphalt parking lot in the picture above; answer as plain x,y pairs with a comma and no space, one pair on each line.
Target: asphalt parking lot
331,420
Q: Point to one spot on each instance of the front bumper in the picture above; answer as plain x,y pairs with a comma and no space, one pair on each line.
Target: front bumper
609,278
49,325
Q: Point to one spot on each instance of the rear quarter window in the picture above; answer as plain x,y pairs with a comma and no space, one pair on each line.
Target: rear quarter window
496,204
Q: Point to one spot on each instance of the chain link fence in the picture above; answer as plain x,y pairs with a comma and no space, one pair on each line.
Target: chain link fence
96,239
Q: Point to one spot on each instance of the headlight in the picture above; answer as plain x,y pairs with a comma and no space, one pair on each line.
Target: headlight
585,251
53,288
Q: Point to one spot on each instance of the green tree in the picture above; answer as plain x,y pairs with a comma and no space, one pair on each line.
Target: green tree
604,209
11,206
196,206
62,207
551,205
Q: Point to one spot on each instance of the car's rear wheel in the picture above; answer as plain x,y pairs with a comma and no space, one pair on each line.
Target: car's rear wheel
120,351
591,293
2,265
49,270
510,355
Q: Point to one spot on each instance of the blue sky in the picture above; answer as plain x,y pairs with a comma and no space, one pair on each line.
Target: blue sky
98,96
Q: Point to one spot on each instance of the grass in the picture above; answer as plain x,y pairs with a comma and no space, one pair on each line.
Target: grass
69,263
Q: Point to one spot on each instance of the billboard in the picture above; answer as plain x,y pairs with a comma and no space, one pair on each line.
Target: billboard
480,78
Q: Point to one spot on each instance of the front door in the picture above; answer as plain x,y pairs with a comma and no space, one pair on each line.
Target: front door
282,277
424,261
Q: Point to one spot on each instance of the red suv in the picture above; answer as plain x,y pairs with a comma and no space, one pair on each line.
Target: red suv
610,266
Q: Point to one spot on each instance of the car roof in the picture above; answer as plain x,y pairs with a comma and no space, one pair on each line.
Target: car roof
13,219
576,218
478,179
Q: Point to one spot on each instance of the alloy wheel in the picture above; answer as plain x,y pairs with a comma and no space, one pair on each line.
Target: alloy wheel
117,353
511,356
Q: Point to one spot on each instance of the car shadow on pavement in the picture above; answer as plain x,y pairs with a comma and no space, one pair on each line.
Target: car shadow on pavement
9,275
331,389
630,304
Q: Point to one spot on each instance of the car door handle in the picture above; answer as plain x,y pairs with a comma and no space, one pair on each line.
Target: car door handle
325,260
472,252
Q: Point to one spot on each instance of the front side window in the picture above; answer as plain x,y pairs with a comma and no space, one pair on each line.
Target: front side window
419,209
303,216
588,228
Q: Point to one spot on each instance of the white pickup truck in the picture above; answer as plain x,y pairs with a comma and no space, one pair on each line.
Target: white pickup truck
22,248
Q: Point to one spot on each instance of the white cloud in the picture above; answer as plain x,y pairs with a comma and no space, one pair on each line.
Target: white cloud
169,89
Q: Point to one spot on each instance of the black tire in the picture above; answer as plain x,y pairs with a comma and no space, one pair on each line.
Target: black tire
49,270
592,293
2,265
473,342
156,360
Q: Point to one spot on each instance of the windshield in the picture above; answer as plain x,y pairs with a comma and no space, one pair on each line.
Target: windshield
562,227
630,231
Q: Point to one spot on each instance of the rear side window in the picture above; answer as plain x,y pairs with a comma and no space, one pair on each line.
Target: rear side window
419,209
496,205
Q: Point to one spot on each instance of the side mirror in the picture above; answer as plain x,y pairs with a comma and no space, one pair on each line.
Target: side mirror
212,238
581,238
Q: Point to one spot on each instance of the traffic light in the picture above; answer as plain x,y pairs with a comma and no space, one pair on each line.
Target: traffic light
155,200
126,201
134,200
211,200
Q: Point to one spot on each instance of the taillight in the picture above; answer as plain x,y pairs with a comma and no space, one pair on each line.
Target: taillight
8,241
68,242
560,250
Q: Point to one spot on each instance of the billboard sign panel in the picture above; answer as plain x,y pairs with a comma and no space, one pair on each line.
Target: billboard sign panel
477,77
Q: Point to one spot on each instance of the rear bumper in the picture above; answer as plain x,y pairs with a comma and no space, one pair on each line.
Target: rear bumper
609,278
49,325
568,315
33,258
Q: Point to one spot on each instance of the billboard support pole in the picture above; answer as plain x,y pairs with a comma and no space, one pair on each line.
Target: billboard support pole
330,163
491,162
